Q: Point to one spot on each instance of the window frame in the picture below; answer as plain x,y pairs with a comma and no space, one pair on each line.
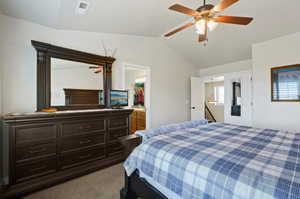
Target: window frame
273,81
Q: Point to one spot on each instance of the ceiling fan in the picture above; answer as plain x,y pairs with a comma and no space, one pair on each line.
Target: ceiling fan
97,69
207,17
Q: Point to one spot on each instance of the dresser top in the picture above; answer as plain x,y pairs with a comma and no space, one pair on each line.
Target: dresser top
11,116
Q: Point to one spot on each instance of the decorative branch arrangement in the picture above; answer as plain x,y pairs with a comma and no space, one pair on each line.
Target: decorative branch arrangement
109,52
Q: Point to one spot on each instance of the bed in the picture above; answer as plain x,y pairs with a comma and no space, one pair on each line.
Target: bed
197,160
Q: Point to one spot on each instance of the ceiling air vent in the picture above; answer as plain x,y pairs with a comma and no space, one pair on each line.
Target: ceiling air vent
82,7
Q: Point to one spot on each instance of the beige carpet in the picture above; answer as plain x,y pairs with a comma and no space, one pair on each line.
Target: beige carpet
103,184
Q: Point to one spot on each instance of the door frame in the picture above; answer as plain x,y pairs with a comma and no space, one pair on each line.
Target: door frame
203,81
147,70
232,75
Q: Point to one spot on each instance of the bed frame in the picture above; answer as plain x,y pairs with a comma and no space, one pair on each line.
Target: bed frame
135,186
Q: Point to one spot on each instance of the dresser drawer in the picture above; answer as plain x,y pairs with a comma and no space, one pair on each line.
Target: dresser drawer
35,151
81,127
35,169
118,122
35,132
75,158
82,141
115,149
113,135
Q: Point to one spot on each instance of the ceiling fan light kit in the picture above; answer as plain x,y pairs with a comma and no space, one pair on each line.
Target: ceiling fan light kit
206,18
200,26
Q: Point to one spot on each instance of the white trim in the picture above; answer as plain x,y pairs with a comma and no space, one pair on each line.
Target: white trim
147,87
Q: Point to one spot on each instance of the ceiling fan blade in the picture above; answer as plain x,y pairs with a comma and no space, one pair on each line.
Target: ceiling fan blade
224,4
184,10
98,71
94,67
179,29
233,20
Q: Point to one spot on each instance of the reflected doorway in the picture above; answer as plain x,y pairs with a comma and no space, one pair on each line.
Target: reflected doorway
137,82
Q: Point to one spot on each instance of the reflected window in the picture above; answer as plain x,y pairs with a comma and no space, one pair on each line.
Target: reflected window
219,94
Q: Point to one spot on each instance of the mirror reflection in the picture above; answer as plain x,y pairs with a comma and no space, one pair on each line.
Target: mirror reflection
236,99
76,83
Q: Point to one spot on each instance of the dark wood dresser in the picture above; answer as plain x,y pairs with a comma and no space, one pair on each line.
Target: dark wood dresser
43,149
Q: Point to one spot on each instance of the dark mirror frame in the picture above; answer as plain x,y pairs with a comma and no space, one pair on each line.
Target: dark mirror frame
47,51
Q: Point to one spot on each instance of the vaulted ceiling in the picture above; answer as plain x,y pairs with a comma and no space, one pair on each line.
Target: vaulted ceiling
228,43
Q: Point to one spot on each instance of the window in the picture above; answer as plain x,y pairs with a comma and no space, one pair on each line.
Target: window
287,91
219,94
286,83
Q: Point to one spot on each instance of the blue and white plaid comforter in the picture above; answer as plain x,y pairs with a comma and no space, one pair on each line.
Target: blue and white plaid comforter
221,161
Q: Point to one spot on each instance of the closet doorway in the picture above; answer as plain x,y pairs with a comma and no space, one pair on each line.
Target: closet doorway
137,82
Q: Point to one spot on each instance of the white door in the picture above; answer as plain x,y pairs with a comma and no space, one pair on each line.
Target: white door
246,98
197,98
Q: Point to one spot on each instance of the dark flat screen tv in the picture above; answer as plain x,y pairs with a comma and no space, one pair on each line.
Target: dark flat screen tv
118,98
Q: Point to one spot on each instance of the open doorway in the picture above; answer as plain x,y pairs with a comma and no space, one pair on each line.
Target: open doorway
214,99
137,82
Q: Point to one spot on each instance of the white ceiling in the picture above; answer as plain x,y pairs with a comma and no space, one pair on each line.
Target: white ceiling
228,43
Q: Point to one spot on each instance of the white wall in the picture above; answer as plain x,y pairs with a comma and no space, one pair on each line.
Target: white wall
170,73
226,68
277,52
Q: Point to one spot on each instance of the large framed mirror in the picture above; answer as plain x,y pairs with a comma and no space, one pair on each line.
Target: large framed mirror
68,79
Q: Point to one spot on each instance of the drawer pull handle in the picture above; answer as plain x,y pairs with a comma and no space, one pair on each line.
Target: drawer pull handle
85,142
85,156
38,151
85,127
37,169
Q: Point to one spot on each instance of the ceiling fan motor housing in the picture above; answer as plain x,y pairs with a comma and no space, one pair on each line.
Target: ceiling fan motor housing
205,7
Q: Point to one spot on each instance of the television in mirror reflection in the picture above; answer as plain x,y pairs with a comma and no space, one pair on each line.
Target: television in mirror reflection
285,83
76,83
